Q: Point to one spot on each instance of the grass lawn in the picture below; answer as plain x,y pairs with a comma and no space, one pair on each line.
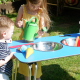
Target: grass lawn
67,68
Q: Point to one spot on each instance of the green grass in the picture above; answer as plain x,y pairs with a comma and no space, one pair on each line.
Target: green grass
67,68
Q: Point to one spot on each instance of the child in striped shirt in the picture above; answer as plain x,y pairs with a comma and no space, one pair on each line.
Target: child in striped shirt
6,56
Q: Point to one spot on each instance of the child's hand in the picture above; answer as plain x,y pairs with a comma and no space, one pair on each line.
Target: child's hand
40,33
9,41
20,24
12,55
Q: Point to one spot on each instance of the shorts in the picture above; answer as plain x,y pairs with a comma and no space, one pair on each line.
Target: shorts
4,76
23,69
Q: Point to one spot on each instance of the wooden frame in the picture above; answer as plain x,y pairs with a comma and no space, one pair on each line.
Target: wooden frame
60,6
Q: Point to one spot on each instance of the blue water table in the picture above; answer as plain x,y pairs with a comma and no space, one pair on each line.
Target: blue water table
45,49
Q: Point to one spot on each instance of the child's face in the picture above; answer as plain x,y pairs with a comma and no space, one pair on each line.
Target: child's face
34,7
9,33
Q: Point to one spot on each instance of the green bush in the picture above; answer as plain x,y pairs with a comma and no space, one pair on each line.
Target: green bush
4,1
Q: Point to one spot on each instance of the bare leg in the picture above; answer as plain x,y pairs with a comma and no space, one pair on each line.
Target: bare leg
26,78
37,78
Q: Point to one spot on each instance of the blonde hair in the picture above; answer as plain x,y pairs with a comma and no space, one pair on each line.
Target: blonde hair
5,22
45,10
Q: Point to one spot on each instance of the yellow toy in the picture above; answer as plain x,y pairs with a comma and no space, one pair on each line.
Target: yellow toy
29,51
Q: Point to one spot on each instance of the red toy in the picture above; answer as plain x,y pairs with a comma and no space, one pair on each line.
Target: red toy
78,44
64,42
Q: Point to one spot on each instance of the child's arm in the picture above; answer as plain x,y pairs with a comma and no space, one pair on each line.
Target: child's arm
18,22
42,21
11,56
41,24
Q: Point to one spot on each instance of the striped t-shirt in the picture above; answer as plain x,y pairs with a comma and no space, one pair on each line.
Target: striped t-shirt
4,52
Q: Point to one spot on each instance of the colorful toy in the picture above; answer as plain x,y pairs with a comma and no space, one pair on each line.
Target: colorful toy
29,51
20,45
79,22
22,48
64,42
76,42
26,50
30,29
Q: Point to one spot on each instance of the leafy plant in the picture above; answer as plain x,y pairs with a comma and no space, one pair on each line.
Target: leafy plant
5,1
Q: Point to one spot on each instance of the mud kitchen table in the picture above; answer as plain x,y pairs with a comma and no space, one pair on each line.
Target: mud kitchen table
65,51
